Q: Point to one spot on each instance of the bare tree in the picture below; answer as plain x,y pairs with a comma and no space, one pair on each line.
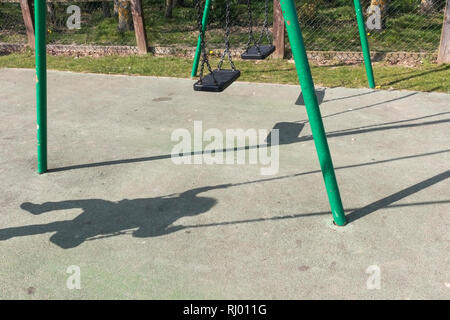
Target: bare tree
427,6
106,9
51,13
383,5
170,4
125,17
116,8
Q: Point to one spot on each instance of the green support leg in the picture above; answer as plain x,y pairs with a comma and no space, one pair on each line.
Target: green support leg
364,43
198,51
41,83
312,108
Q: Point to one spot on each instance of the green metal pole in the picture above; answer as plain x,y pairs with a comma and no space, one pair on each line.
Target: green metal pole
41,83
364,43
312,108
198,51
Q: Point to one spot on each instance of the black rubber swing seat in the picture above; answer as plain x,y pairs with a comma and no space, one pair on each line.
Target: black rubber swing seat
254,54
223,78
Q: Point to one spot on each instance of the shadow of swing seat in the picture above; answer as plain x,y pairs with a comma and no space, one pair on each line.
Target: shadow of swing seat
217,81
288,132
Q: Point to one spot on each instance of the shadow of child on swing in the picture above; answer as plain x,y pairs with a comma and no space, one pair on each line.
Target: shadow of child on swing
148,217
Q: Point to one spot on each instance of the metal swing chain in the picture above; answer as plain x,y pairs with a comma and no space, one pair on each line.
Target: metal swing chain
265,29
202,44
227,51
251,36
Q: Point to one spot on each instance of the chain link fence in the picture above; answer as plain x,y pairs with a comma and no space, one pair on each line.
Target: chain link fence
329,26
396,25
12,27
83,22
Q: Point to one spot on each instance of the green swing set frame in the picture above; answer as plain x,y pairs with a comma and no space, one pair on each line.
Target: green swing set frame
361,29
303,72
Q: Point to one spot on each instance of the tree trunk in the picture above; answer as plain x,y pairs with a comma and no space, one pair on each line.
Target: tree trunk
116,8
427,6
279,30
383,5
106,9
125,18
169,8
51,14
444,47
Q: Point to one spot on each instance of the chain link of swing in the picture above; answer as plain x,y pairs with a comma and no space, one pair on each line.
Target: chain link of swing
227,50
204,56
265,30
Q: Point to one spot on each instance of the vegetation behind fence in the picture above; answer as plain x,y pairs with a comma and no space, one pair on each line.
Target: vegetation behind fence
328,25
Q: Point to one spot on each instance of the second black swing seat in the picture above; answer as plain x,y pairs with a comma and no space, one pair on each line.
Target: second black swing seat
217,81
258,52
255,50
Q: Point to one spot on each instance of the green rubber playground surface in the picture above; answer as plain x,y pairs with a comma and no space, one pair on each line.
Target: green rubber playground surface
116,206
